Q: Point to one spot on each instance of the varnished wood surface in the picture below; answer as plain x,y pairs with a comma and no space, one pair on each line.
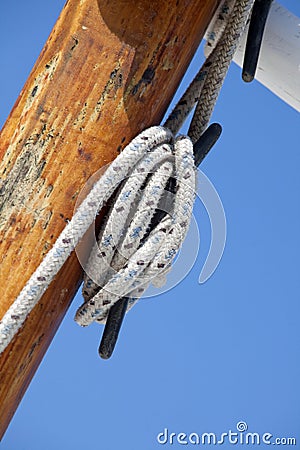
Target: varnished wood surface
108,70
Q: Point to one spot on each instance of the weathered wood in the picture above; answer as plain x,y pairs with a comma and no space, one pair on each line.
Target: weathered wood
108,70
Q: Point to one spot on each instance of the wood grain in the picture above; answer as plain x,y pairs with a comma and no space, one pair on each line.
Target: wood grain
108,70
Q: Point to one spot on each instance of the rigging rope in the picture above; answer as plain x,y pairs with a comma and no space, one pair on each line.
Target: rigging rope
154,149
205,87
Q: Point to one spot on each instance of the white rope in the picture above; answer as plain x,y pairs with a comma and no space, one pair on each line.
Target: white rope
124,263
144,259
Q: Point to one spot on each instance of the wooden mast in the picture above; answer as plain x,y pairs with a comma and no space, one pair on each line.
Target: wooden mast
108,70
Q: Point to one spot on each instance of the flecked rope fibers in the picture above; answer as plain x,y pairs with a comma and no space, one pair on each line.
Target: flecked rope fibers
172,156
125,267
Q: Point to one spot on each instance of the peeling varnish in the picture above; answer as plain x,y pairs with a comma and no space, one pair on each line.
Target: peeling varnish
81,116
47,219
75,43
48,191
20,189
114,83
45,76
172,42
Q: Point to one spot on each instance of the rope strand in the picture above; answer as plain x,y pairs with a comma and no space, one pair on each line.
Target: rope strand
205,87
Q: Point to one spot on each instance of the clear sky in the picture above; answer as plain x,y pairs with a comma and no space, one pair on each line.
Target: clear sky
199,358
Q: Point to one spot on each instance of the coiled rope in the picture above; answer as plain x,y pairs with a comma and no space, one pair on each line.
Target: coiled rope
154,149
119,263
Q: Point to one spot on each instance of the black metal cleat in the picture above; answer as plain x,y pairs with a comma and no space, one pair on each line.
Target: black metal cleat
258,20
112,328
117,311
206,142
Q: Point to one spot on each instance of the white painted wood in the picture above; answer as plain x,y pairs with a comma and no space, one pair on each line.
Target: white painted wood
279,61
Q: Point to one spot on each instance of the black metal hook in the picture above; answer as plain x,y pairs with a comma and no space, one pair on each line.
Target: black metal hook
206,142
117,311
112,328
257,25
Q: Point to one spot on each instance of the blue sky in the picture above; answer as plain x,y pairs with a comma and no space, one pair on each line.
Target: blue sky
199,358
